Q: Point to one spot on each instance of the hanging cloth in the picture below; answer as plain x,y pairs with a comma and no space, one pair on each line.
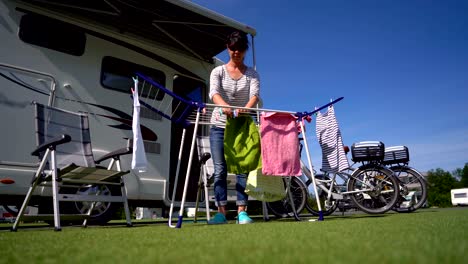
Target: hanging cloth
139,161
329,136
242,145
265,188
280,144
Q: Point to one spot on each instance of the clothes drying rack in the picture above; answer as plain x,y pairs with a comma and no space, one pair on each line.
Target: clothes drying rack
186,113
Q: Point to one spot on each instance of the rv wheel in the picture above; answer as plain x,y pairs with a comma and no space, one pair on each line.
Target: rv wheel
102,212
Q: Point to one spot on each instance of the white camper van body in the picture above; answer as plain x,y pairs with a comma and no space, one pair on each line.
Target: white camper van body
459,197
83,80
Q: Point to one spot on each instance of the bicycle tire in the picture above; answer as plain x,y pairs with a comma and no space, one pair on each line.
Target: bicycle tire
411,181
282,208
311,204
377,189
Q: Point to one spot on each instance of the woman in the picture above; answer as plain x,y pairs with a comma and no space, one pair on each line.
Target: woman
231,84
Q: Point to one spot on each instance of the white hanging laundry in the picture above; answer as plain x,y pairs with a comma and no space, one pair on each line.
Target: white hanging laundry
139,161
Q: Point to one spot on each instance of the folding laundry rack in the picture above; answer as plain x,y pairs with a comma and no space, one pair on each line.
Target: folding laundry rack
186,113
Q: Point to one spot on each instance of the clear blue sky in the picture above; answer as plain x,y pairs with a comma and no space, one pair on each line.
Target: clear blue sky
401,66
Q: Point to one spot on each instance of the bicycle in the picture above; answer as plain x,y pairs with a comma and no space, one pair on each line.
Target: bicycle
413,185
330,201
298,191
372,187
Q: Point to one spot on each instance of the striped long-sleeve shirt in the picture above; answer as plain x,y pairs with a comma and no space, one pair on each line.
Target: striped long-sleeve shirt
329,136
234,92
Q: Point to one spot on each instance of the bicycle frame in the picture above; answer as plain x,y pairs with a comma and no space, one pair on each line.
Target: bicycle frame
331,178
322,184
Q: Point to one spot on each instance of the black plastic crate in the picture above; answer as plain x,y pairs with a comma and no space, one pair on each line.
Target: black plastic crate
368,151
397,154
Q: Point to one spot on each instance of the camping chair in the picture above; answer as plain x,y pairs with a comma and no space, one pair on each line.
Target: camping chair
206,172
64,148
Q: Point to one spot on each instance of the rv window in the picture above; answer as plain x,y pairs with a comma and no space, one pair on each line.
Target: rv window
52,34
190,89
116,74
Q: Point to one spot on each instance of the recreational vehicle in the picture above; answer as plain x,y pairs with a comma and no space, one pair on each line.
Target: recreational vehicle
81,56
459,197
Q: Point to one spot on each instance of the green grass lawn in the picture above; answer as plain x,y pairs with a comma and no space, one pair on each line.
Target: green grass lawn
425,236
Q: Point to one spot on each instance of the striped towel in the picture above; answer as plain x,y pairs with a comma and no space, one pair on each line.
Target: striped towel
329,136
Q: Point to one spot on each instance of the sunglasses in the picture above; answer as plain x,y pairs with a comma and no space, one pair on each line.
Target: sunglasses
237,47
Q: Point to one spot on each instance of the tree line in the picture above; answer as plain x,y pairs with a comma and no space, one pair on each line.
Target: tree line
440,183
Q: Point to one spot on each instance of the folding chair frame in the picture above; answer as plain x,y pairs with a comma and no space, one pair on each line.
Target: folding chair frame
74,176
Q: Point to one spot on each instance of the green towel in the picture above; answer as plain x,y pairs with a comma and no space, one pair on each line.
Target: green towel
242,145
265,188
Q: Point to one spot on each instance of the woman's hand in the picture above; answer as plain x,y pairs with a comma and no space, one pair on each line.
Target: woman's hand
217,99
228,112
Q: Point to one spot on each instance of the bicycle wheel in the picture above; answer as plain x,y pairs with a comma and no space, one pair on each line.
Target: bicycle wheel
375,189
283,208
413,189
328,207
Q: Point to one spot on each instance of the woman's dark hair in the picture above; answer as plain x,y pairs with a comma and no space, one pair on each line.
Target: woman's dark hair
237,41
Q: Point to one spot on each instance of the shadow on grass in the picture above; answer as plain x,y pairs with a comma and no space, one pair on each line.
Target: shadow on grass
112,224
201,221
333,217
30,226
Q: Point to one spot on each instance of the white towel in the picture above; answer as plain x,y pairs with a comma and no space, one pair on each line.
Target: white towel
139,161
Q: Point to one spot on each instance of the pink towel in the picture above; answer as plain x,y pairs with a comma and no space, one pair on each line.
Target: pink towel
280,145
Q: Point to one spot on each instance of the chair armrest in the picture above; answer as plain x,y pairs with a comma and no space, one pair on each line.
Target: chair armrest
51,143
115,154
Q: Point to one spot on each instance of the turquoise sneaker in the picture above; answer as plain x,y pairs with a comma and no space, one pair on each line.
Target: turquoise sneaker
218,219
243,218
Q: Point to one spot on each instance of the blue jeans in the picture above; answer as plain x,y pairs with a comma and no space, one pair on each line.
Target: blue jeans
220,171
